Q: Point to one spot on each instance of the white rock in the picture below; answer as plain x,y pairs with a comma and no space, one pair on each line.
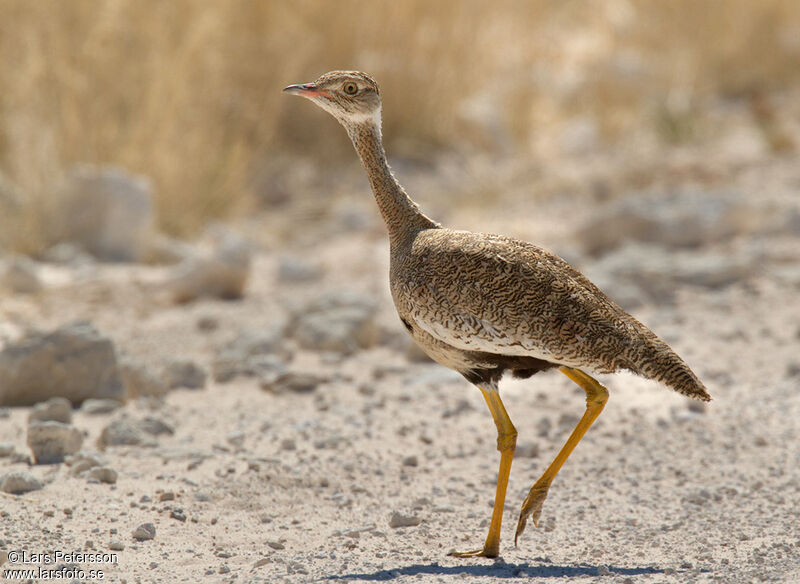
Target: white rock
104,474
50,442
252,353
400,520
184,373
19,482
83,461
339,322
125,431
75,362
121,432
95,407
292,381
219,272
56,409
139,380
107,211
144,532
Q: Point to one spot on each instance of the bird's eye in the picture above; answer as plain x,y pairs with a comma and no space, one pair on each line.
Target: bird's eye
350,88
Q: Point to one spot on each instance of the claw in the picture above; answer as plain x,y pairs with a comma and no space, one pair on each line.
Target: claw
532,507
481,553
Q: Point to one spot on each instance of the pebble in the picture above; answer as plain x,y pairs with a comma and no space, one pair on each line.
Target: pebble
121,432
340,322
603,571
19,482
82,462
185,373
276,545
252,353
207,323
144,532
116,545
156,426
292,382
166,496
288,444
56,409
104,474
410,461
701,497
400,520
527,450
96,407
50,442
125,431
235,438
139,380
6,449
221,270
178,514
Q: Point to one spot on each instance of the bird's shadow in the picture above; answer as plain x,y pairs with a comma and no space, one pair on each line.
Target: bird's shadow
499,569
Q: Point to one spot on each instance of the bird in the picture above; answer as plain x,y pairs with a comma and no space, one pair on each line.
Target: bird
487,305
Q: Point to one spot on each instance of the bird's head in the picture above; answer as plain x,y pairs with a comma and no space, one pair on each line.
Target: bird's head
351,97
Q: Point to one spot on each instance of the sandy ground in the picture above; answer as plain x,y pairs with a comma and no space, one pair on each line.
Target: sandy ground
300,487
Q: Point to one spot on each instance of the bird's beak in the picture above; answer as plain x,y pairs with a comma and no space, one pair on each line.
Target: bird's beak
305,90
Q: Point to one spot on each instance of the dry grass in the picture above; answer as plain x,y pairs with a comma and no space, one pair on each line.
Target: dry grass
188,92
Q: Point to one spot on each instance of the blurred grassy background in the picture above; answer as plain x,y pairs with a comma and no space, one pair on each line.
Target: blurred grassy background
188,93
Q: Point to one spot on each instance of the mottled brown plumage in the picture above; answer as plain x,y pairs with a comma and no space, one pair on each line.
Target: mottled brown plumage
486,304
463,292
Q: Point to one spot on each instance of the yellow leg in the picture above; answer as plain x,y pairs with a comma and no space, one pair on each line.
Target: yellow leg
596,397
506,443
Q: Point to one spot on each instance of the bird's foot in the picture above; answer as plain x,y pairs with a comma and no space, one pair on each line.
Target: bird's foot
532,506
488,551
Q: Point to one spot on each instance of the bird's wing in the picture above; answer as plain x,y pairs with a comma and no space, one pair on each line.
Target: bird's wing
479,292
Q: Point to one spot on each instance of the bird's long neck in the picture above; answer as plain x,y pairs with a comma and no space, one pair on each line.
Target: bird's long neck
402,215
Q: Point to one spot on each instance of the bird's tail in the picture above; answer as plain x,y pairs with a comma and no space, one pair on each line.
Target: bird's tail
663,364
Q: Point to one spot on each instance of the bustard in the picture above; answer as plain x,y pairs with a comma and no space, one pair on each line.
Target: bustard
485,305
